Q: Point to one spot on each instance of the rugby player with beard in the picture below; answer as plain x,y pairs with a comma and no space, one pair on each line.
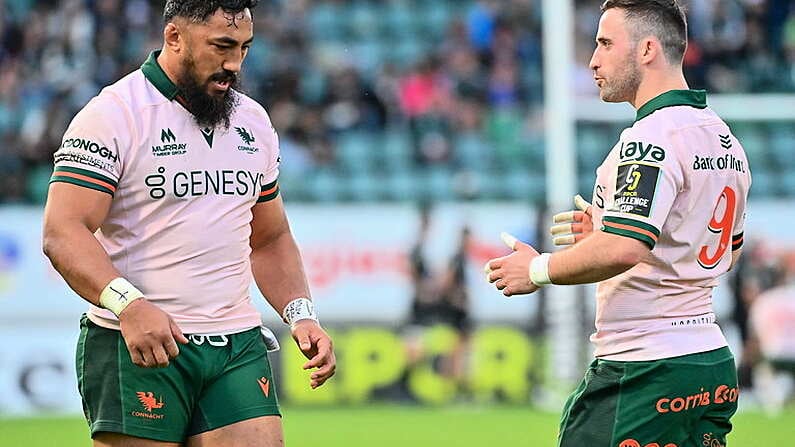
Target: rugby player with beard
163,204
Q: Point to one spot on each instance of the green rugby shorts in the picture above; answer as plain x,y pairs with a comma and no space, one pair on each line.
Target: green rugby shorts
213,382
684,401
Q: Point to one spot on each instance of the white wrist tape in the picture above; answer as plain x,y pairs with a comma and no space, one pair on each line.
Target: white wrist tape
299,309
118,294
539,270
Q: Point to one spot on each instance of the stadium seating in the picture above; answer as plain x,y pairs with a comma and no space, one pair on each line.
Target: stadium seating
385,42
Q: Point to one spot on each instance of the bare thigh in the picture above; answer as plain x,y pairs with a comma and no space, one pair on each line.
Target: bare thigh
265,431
107,439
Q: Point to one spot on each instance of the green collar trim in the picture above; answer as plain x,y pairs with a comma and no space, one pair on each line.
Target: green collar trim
155,74
692,98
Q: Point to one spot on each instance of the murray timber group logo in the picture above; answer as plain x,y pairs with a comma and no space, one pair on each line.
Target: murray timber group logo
248,139
169,145
149,403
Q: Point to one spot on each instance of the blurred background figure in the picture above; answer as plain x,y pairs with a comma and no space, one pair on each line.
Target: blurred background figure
772,318
440,302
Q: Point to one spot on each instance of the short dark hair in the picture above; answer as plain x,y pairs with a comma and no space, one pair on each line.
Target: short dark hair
200,10
664,19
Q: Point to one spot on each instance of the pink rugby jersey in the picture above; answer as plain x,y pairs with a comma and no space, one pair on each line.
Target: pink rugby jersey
677,181
179,223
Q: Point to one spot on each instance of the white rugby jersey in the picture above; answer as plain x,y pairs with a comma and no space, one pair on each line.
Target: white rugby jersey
179,223
677,180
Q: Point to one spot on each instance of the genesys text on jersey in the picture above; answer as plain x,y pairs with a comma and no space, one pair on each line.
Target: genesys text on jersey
225,182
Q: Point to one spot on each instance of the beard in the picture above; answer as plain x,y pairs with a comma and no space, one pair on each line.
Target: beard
624,85
208,110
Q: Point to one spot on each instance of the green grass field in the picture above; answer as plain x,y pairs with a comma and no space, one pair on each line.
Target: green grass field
399,426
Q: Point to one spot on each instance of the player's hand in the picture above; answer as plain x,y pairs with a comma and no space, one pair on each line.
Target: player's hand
573,226
316,345
511,273
150,334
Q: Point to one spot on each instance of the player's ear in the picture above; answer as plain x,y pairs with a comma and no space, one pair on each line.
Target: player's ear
172,38
648,50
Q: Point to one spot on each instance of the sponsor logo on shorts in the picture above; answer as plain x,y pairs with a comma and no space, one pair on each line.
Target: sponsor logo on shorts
265,385
725,393
709,440
722,394
634,443
149,403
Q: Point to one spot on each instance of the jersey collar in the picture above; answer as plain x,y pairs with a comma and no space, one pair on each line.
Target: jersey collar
155,74
692,98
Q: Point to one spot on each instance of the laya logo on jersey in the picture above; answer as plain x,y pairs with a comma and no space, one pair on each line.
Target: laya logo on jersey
224,182
636,184
89,146
170,145
638,151
248,138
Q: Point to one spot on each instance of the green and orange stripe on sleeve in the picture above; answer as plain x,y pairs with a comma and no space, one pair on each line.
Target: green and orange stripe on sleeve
84,178
737,241
269,192
643,232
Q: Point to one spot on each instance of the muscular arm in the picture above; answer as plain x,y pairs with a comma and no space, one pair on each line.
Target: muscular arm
275,260
71,217
598,257
279,273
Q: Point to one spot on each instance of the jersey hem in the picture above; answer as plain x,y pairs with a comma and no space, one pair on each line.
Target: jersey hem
643,355
210,327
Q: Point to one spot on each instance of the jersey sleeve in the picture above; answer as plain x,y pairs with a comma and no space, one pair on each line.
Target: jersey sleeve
648,178
738,232
90,152
270,188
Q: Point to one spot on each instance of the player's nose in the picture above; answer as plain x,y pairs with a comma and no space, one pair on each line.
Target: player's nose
233,65
593,64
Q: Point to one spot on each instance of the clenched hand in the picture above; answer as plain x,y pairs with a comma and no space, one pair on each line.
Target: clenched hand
150,334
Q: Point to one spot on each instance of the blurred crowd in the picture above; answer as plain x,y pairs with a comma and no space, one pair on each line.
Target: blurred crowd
457,83
763,284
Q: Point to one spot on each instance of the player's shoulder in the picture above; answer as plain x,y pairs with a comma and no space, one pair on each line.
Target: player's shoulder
674,111
251,113
135,91
661,122
124,96
250,106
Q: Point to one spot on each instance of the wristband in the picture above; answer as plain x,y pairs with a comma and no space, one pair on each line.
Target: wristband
299,309
118,294
539,270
